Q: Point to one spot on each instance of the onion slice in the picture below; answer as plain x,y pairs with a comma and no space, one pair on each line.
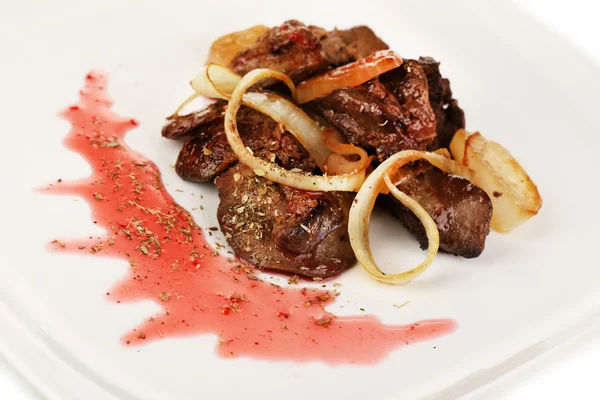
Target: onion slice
217,81
348,75
271,171
362,207
515,197
213,81
337,162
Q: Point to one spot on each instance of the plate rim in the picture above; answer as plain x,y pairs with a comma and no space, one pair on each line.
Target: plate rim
19,333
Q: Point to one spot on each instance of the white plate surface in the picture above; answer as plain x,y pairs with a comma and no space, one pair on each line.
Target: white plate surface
529,290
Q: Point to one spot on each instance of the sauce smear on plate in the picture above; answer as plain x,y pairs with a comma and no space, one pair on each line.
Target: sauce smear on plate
199,290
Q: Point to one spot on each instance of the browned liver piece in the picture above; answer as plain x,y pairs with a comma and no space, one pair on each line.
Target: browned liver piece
348,45
275,227
448,115
384,115
461,210
207,153
291,48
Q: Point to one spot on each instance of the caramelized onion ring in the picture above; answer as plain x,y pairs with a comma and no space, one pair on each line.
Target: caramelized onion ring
348,75
337,162
515,197
362,207
271,171
218,81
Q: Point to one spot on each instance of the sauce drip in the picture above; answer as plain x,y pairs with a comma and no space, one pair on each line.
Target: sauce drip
199,290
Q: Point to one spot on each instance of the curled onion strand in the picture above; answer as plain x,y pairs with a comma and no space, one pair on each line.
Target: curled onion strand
215,81
218,81
185,103
362,207
337,162
271,171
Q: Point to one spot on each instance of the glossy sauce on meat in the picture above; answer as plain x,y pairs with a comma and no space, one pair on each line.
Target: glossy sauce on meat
291,48
348,45
461,210
384,115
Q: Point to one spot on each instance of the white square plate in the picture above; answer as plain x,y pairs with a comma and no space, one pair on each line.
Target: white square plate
529,290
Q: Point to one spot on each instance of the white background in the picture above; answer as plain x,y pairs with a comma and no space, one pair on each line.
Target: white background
571,372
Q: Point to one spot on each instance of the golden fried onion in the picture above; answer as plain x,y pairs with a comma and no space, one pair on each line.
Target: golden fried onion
300,180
